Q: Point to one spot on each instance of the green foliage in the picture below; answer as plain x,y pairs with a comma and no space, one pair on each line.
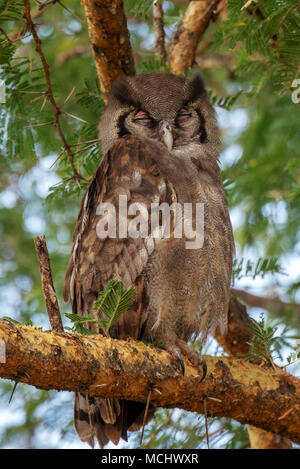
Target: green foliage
79,322
109,306
266,37
112,303
11,10
262,341
26,323
242,268
225,103
265,346
139,7
153,64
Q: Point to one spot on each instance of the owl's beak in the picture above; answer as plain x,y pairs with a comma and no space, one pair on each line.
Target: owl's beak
166,134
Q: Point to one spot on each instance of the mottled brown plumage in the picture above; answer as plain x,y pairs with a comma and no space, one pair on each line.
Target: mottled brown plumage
160,143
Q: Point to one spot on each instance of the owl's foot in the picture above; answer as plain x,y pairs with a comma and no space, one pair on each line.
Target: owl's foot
194,357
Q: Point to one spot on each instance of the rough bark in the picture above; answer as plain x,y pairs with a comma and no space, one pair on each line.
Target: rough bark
105,367
189,33
109,38
158,24
260,439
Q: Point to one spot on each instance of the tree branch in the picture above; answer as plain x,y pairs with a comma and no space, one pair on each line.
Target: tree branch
273,304
189,33
158,23
47,283
50,96
128,369
109,38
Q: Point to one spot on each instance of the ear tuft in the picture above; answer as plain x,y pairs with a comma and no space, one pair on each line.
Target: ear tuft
123,92
198,88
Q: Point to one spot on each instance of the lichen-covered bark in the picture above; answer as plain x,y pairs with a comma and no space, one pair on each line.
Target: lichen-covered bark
194,24
109,38
128,369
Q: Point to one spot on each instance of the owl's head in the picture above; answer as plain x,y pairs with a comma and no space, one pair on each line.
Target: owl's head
160,106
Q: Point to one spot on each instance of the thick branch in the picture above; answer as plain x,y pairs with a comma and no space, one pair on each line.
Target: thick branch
105,367
109,39
158,23
189,33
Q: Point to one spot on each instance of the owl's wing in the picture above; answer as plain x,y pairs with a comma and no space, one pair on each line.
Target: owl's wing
126,170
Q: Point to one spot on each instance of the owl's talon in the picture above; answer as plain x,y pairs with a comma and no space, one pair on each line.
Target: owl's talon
204,368
181,362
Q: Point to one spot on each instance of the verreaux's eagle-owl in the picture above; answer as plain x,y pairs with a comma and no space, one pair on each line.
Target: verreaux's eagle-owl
160,144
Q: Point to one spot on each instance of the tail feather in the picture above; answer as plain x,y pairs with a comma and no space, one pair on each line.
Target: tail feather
107,419
87,421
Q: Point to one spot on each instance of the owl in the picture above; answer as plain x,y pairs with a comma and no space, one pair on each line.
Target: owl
160,143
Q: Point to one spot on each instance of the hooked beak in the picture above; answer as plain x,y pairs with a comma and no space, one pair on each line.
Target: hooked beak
166,134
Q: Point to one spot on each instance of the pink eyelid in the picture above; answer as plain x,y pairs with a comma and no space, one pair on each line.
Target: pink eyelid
141,115
183,111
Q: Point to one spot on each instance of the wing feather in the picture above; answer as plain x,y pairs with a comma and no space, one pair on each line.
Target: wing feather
127,169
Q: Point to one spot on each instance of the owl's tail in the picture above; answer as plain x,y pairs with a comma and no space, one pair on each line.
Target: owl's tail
107,419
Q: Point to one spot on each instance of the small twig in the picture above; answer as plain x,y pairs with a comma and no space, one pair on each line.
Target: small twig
95,140
13,391
206,425
41,124
56,109
158,23
247,4
79,18
9,41
286,413
74,117
68,97
145,416
47,283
